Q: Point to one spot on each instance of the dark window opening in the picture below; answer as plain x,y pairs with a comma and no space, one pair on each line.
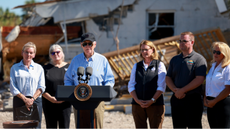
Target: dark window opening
160,25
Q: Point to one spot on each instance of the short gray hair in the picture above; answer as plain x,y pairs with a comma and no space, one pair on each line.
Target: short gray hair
54,46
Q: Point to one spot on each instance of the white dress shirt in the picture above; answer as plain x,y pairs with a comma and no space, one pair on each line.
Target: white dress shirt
161,77
216,80
26,81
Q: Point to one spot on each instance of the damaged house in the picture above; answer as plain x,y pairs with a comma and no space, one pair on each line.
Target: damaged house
125,21
130,20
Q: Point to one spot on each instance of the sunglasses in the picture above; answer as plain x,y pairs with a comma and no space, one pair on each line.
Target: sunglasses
217,52
183,41
53,53
89,44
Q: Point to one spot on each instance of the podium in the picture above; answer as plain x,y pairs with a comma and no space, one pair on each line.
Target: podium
86,115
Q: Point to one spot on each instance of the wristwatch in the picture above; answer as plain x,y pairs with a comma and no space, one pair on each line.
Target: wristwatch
33,98
153,100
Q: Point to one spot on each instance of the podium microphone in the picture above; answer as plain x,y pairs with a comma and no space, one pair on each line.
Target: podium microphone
80,73
88,72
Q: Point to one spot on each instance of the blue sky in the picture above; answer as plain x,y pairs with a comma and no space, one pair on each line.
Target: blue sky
13,3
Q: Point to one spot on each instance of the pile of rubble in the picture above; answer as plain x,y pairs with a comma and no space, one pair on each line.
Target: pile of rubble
6,98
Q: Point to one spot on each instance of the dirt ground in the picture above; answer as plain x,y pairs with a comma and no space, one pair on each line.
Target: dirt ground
116,120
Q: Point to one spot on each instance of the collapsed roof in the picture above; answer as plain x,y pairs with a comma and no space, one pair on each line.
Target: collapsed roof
72,10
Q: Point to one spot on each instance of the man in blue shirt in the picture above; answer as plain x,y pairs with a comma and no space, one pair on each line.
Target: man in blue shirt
102,74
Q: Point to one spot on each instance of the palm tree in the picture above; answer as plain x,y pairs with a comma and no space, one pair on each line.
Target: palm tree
8,18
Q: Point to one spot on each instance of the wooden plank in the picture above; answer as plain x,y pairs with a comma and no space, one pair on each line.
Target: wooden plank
134,48
213,36
42,43
124,68
206,42
220,35
134,57
43,30
113,64
173,43
123,55
208,54
159,48
121,68
208,45
138,54
124,62
200,42
130,58
168,50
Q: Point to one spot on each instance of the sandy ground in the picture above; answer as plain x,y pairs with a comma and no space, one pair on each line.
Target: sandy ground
116,120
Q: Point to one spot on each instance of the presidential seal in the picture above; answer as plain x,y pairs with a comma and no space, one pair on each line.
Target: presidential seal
82,92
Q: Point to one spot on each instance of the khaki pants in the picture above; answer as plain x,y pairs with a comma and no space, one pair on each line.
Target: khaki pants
99,114
154,113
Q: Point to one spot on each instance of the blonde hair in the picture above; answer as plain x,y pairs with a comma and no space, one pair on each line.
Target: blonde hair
29,45
190,34
56,46
152,46
225,50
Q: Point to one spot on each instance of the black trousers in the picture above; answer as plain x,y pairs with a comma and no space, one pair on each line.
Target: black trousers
187,112
17,102
219,115
56,114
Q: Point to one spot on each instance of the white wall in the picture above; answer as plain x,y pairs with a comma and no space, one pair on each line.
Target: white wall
190,15
73,50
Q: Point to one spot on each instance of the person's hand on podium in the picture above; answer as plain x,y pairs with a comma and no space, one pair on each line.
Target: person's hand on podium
54,100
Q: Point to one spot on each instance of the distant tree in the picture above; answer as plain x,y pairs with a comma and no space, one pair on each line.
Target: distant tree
8,18
27,12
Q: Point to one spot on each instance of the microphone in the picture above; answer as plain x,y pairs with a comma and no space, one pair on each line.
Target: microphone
88,72
80,73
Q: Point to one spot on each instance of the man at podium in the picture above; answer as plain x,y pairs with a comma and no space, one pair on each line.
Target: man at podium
102,74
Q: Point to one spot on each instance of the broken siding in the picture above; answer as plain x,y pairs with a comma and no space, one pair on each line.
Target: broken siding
69,10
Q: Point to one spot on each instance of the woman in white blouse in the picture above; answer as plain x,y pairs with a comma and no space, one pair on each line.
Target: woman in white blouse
27,82
217,89
146,85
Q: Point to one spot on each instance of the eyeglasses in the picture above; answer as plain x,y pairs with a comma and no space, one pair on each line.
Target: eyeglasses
89,44
183,41
28,52
53,53
144,50
217,52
